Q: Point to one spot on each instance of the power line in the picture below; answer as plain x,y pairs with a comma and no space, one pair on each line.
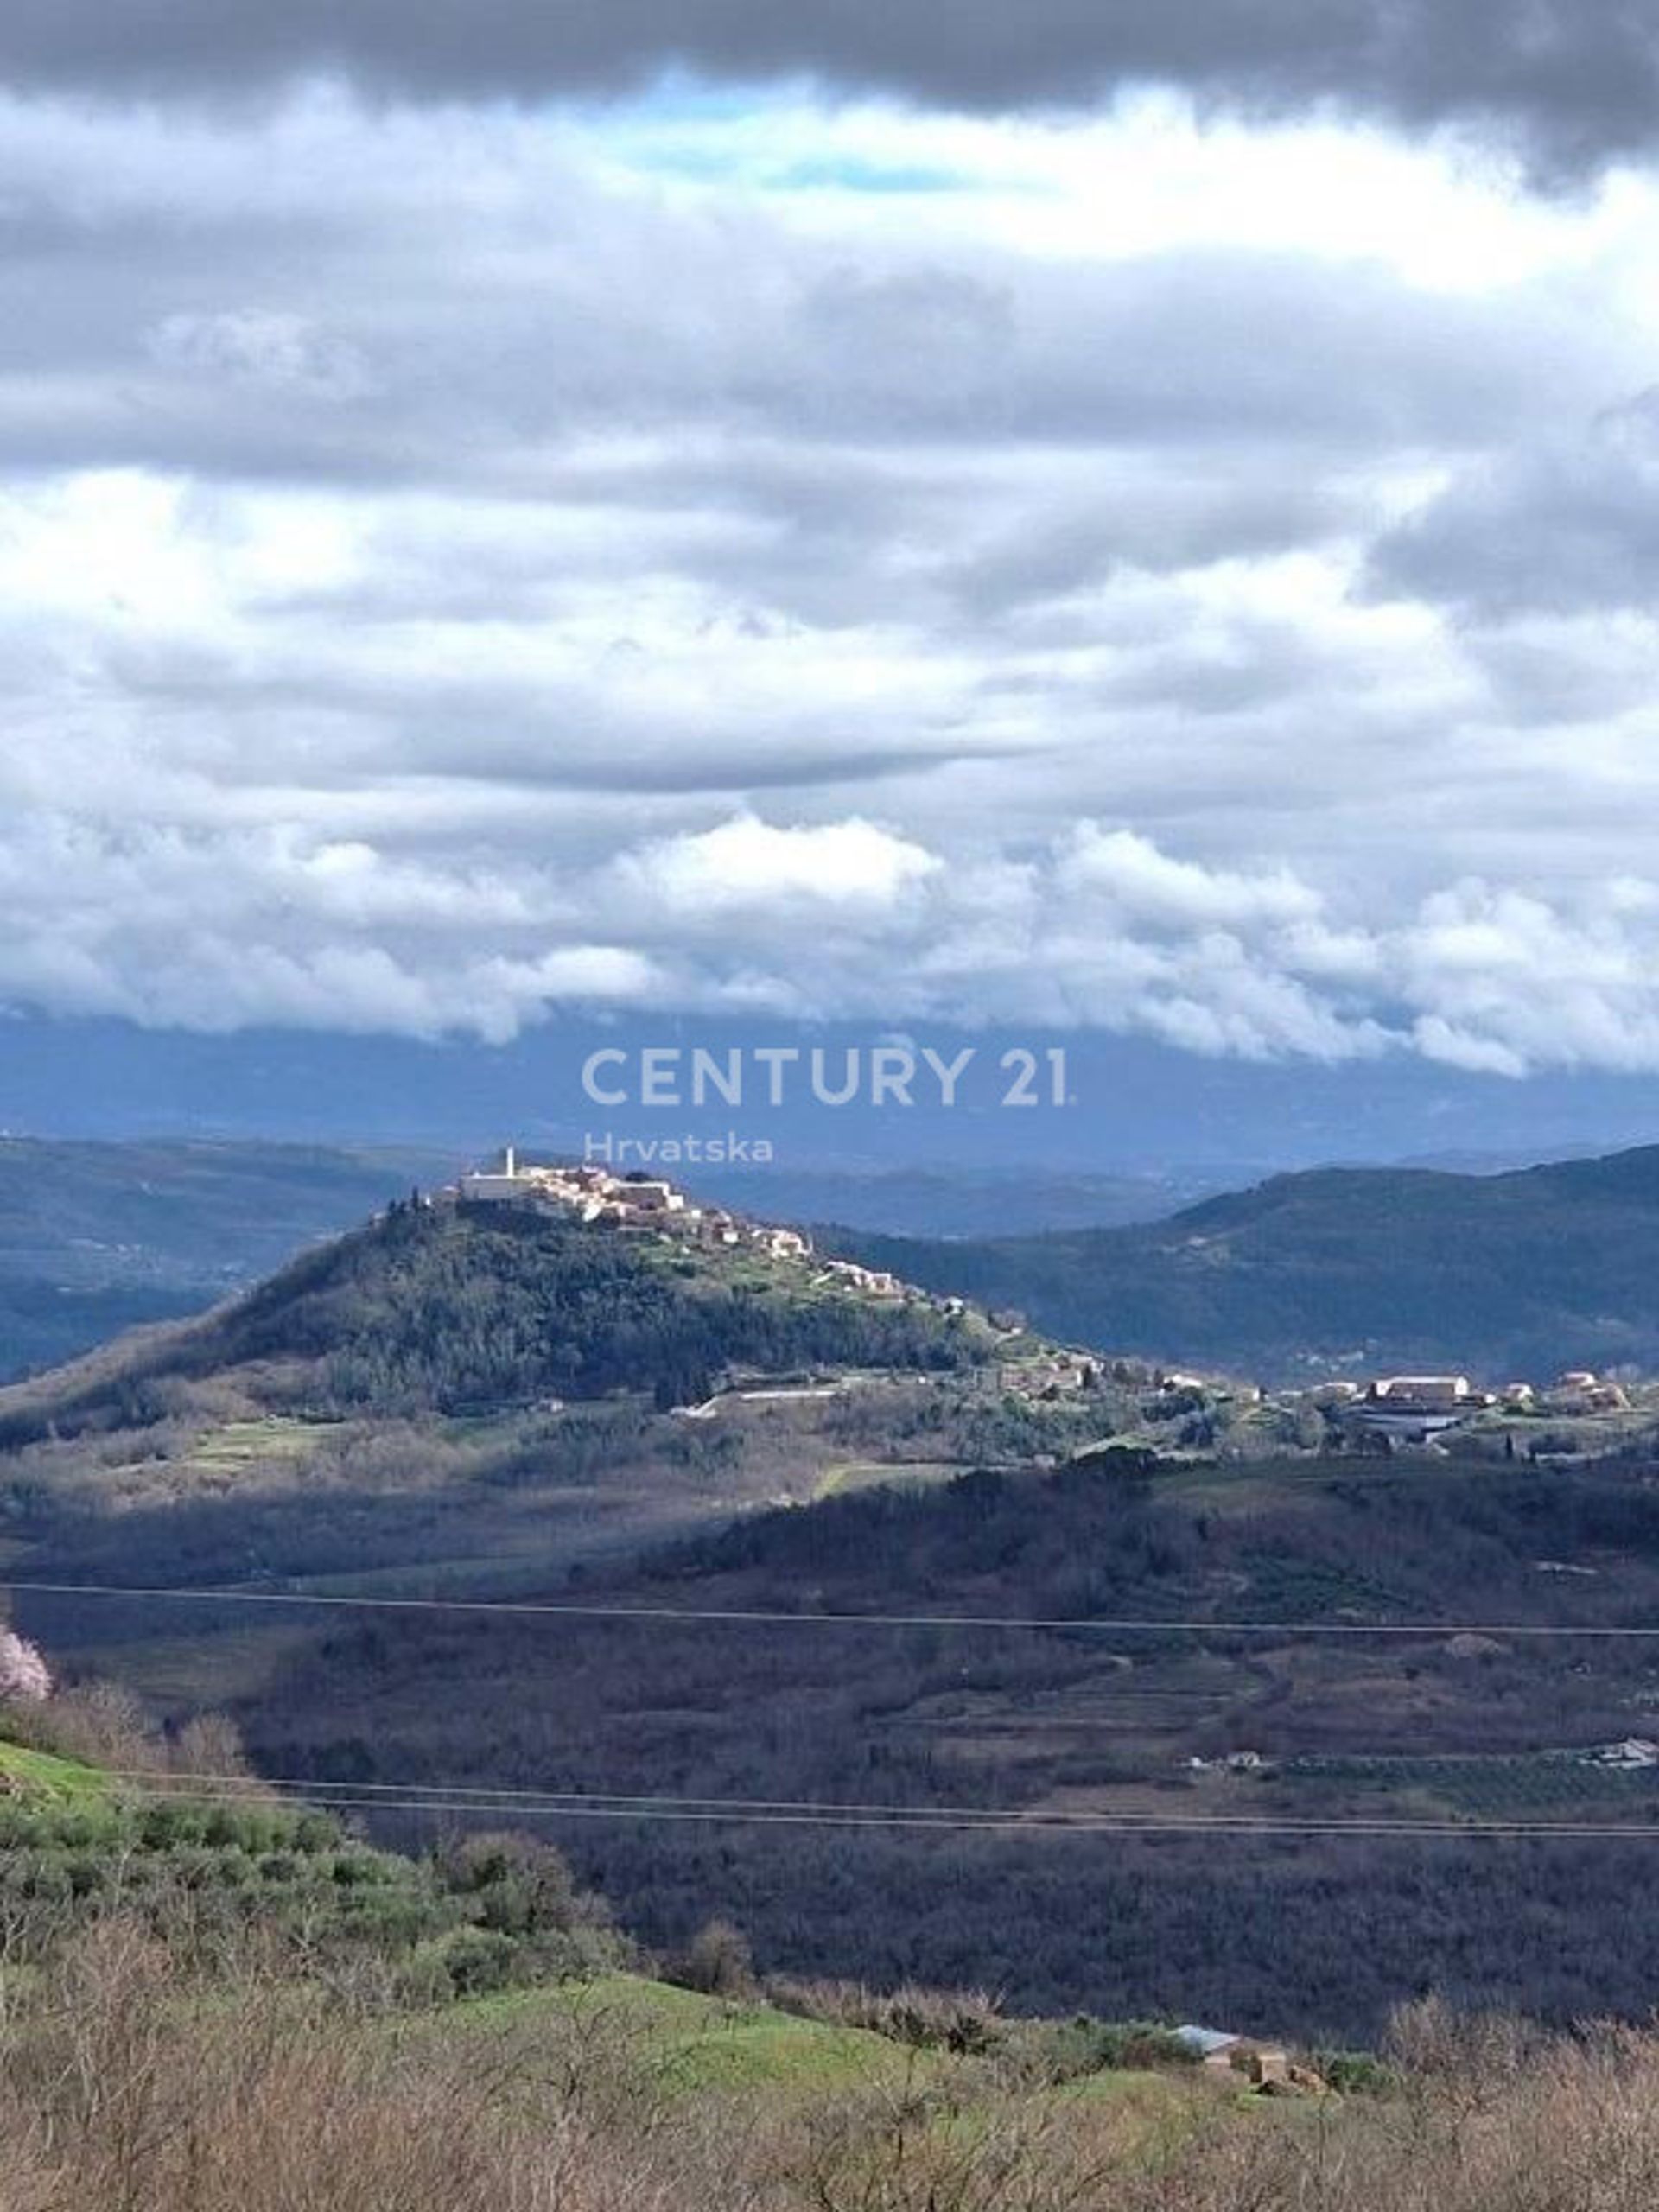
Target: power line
458,1798
437,1798
756,1616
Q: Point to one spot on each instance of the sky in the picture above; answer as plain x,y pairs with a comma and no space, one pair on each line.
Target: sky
1139,519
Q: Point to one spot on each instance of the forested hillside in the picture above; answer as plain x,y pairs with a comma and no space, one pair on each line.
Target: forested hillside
439,1308
915,1704
1521,1273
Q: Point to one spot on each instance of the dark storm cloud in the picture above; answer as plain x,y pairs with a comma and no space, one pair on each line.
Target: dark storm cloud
1577,80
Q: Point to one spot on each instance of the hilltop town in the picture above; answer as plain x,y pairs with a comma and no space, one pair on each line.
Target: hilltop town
639,1203
1169,1410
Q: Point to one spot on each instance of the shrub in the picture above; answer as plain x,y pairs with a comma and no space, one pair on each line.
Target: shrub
717,1961
519,1885
477,1961
963,2021
1355,2073
1084,2045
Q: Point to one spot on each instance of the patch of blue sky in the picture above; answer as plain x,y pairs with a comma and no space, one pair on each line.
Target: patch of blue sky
783,138
854,173
714,163
675,99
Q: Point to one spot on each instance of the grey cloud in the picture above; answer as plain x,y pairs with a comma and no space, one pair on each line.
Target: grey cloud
1153,516
333,727
1543,674
321,330
282,353
1575,82
1195,347
1560,530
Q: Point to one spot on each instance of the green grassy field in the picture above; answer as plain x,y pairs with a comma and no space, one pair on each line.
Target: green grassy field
38,1776
239,1445
692,2046
694,2043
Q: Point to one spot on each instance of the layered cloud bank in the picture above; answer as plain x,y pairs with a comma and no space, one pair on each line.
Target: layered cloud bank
221,928
1191,578
1575,80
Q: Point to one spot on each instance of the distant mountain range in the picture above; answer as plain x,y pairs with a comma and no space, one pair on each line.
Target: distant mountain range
1141,1108
1515,1275
955,1202
96,1237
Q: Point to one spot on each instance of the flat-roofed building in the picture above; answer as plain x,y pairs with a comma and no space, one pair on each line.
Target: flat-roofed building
1422,1393
1411,1409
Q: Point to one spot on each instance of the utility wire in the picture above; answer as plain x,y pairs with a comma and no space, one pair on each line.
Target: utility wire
440,1798
754,1617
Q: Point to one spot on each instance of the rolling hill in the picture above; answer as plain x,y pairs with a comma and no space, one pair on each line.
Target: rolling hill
105,1237
490,1398
1518,1274
440,1308
1277,1774
96,1237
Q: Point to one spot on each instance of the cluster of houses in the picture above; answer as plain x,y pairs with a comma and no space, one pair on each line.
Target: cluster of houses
1415,1407
630,1201
1234,1762
1047,1374
1635,1755
644,1203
